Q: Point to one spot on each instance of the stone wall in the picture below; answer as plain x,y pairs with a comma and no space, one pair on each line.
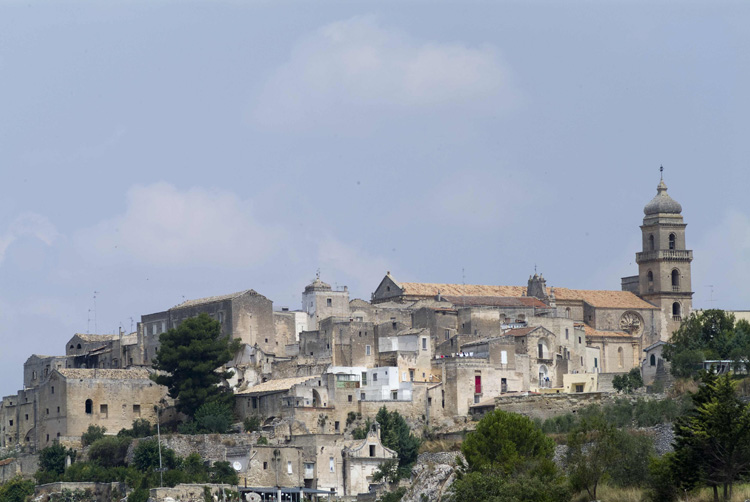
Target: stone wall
23,465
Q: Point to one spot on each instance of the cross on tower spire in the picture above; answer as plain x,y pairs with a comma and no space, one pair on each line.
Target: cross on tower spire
661,172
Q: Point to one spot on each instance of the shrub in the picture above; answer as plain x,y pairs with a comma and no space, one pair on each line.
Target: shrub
139,495
93,433
109,451
141,428
214,417
350,418
146,456
16,490
251,423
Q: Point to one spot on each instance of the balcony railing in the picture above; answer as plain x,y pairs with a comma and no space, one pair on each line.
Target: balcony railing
677,318
675,288
664,254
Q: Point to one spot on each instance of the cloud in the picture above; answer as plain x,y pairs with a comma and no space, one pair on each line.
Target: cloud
355,67
163,225
28,224
338,259
721,270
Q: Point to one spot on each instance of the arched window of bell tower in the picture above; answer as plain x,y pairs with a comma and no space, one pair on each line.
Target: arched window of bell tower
671,241
651,242
675,280
676,311
650,277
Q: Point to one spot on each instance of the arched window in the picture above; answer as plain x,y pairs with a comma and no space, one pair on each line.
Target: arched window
675,279
651,242
676,311
79,346
671,241
567,312
652,361
89,406
620,358
650,276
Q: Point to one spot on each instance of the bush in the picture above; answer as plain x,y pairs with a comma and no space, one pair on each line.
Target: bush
146,456
141,429
16,490
52,463
251,423
214,417
109,451
93,433
350,418
393,496
139,495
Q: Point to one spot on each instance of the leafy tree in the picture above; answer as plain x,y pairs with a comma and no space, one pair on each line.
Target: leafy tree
251,423
711,334
387,471
628,382
504,441
93,433
146,456
214,417
16,490
52,463
396,434
712,443
222,472
508,459
141,428
109,451
190,355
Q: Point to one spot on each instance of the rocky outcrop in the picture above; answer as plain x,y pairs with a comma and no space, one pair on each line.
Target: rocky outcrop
432,476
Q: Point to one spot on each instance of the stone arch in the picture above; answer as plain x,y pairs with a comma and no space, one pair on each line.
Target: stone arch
89,407
676,311
675,279
672,241
543,375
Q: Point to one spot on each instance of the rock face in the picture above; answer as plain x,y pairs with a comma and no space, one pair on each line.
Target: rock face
432,476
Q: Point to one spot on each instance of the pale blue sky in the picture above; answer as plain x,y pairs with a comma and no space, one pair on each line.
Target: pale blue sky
161,150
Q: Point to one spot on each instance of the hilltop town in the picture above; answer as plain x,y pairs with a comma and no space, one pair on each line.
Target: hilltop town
436,353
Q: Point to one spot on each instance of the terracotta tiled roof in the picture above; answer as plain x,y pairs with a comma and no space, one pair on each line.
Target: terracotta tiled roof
496,301
604,299
595,298
594,333
96,338
277,385
211,299
521,331
427,289
129,374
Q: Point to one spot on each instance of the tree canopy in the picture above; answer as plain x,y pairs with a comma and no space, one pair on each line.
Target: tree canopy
190,355
711,334
396,434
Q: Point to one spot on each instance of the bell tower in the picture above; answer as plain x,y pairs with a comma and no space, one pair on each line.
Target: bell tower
664,263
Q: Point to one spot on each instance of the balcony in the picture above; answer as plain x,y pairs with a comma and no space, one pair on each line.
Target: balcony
677,318
664,254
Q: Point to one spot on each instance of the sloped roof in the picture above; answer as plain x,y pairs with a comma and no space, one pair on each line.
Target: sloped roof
128,374
604,298
594,333
412,331
86,337
277,385
521,331
212,299
358,302
496,301
462,292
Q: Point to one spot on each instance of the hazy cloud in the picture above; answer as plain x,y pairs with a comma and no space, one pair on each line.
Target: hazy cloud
31,224
163,225
357,66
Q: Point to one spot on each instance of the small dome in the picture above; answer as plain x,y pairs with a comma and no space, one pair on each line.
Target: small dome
662,203
317,285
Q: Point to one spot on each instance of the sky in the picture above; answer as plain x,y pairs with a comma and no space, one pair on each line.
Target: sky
158,151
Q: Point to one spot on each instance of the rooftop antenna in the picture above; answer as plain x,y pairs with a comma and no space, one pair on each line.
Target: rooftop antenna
661,172
96,327
131,324
711,298
463,289
317,274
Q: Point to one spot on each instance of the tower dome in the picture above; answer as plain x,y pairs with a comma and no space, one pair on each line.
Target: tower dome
317,285
662,203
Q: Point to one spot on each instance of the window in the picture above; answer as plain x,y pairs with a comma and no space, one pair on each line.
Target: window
78,346
476,398
477,384
351,398
289,467
579,339
331,464
676,311
447,334
675,280
671,241
566,333
651,242
424,343
374,377
103,410
596,362
503,357
567,312
137,410
652,361
47,411
368,350
411,375
33,373
372,450
364,378
581,360
329,302
164,326
89,406
362,396
336,425
579,387
394,395
619,357
153,329
220,317
265,465
27,416
11,422
52,390
255,402
58,409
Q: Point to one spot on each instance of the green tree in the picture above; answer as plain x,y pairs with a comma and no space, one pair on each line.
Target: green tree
396,434
190,355
712,443
16,490
141,428
711,334
52,463
628,382
93,433
214,417
146,456
109,451
508,458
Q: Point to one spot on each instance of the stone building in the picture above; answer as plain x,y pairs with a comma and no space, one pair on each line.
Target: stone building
320,301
